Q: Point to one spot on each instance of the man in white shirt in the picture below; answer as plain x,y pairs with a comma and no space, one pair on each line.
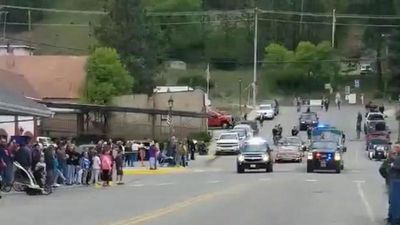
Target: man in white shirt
134,154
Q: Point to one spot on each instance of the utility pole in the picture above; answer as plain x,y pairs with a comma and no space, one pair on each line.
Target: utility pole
333,27
240,96
301,17
255,56
4,25
30,28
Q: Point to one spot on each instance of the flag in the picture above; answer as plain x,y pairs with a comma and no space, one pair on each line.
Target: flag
169,122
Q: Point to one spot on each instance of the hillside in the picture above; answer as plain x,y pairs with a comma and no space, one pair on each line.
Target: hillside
66,39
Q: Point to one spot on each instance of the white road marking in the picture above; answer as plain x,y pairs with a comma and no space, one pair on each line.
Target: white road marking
198,171
311,180
136,185
364,200
165,184
214,181
264,179
359,181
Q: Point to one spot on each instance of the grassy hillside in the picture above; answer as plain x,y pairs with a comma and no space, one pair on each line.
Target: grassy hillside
53,39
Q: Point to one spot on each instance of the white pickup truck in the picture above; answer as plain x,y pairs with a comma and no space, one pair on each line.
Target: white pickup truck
228,143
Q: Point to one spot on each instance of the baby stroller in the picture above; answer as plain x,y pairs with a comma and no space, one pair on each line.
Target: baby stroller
202,148
163,160
25,181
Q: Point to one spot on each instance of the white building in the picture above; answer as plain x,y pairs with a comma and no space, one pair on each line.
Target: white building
17,50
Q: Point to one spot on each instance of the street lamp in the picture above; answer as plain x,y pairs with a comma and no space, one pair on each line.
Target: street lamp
170,105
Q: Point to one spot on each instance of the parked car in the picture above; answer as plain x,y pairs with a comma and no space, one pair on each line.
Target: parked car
217,119
45,141
365,68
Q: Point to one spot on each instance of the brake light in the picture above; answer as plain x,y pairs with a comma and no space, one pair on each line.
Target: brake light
318,155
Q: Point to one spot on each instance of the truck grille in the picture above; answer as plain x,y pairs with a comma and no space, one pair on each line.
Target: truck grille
253,157
228,145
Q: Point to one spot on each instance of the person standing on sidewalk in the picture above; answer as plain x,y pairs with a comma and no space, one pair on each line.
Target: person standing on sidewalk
135,151
119,166
338,100
49,155
153,156
96,166
106,166
84,166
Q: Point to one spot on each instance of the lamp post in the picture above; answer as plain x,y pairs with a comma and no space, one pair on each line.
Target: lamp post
170,105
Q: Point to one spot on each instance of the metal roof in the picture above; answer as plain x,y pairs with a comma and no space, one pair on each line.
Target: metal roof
14,103
106,108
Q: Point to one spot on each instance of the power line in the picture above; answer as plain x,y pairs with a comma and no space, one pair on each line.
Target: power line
54,10
215,13
49,24
330,23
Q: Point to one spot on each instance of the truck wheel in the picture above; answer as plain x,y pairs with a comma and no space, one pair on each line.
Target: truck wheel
269,168
338,170
240,169
310,169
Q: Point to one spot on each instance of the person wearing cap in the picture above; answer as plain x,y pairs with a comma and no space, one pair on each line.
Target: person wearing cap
390,171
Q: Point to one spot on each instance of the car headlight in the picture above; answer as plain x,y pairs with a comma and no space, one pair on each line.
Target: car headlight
337,157
310,156
302,121
240,158
265,158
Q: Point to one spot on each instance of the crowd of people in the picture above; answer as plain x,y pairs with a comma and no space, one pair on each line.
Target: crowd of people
63,163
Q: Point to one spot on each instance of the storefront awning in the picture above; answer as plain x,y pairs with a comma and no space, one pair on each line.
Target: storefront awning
14,103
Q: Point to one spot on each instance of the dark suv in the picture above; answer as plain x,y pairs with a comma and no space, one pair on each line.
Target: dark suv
255,154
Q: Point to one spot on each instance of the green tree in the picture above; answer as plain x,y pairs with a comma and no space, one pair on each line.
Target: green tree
373,36
106,77
277,56
139,44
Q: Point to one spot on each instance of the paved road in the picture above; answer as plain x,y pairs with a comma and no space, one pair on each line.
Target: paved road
212,193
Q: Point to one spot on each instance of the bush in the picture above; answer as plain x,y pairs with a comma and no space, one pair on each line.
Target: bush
378,95
201,136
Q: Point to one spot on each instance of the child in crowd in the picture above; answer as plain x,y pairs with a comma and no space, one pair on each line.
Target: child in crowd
40,172
96,166
84,165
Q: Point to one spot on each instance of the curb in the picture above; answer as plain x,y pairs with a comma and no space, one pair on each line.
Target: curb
146,171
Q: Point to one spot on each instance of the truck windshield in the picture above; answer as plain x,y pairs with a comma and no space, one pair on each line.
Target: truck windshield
227,136
254,148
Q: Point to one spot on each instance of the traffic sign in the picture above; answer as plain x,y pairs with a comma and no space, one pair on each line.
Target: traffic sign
357,83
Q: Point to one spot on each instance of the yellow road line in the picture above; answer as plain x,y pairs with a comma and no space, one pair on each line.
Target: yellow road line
146,171
177,206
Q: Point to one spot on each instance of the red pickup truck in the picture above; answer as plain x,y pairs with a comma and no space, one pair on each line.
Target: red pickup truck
218,119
